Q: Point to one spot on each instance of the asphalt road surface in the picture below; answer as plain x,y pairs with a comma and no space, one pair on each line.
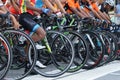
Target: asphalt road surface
111,71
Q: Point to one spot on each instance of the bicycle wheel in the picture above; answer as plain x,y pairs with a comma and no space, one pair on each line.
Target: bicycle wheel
61,55
108,48
81,50
5,56
117,34
96,49
20,42
114,45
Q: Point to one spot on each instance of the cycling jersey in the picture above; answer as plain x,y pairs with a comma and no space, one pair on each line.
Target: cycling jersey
26,17
71,3
23,8
4,1
103,9
94,6
84,5
39,3
13,11
21,5
32,2
87,7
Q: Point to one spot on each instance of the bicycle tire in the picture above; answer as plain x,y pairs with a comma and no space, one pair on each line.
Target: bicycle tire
5,46
113,40
94,56
81,50
108,48
52,69
13,36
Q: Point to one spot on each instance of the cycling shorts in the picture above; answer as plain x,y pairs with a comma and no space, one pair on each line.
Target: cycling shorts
27,22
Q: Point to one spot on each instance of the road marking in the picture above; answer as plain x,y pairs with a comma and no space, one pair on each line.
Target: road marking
83,75
115,74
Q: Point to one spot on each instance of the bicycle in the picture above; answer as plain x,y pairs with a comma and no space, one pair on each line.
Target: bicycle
62,25
58,53
19,50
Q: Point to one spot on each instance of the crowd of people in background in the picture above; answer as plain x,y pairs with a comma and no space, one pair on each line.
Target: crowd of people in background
117,12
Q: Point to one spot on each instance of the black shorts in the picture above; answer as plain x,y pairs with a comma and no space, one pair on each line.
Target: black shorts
27,22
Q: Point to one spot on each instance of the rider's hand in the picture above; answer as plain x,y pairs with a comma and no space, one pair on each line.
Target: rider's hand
16,25
109,22
45,10
59,14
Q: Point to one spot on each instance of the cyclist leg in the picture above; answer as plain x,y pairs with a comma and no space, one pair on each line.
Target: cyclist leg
29,24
